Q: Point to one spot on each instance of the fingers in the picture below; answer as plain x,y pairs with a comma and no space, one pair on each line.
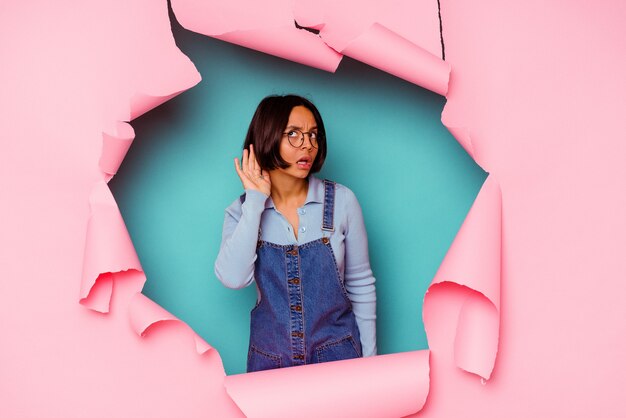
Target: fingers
255,163
244,161
238,169
251,162
247,165
250,172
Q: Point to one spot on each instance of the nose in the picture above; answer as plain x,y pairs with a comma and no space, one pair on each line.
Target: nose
308,136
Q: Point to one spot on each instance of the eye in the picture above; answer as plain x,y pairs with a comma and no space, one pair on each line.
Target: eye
292,134
313,135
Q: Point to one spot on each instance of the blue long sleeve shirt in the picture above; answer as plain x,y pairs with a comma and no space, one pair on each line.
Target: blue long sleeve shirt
235,262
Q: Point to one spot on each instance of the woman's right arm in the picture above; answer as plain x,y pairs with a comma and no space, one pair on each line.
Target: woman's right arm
235,262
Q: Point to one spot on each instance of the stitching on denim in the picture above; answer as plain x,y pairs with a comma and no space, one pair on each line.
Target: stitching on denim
299,275
324,208
304,339
309,243
262,243
354,345
270,356
319,354
321,348
333,342
341,284
326,194
260,301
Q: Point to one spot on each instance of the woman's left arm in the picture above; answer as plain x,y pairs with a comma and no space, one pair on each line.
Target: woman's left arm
358,277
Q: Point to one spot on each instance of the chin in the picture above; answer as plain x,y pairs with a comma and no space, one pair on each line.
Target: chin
296,173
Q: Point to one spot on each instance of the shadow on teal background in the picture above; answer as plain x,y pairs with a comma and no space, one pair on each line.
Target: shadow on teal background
386,142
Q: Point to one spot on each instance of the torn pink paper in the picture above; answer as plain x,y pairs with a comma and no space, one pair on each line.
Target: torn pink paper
388,51
141,102
115,147
462,136
108,249
68,74
378,46
144,314
372,43
382,35
519,88
392,385
473,262
415,21
266,26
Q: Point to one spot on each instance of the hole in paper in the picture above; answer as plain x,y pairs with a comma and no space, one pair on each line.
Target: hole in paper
386,142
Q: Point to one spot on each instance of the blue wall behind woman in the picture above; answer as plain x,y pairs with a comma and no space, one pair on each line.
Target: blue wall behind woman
386,142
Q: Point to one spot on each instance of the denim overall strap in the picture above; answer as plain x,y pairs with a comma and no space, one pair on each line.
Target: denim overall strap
329,206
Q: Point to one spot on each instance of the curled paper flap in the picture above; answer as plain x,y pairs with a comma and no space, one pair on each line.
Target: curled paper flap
390,45
473,259
264,26
392,385
140,103
288,42
463,137
473,262
145,314
390,52
415,21
477,335
461,134
108,249
401,37
337,21
157,87
115,147
100,293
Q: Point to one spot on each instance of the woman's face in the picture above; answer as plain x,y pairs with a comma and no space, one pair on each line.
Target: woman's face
300,158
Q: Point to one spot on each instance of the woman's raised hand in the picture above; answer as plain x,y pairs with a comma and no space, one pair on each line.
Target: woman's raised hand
250,173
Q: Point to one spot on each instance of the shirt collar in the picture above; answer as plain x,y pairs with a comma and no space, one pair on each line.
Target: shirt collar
314,194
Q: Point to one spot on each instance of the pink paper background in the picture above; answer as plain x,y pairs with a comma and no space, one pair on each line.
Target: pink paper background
537,97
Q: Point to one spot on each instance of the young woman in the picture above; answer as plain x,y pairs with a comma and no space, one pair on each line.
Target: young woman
302,240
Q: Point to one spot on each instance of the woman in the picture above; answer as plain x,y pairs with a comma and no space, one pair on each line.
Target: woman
302,240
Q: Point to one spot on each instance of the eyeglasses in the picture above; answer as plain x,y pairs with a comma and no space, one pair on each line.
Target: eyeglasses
296,138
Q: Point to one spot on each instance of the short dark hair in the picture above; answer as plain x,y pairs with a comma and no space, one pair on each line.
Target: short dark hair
266,131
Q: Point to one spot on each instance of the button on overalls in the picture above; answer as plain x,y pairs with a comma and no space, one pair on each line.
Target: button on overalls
304,315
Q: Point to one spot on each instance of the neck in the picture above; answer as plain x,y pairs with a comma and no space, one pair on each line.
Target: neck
288,189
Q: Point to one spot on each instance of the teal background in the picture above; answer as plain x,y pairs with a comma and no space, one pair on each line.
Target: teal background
386,142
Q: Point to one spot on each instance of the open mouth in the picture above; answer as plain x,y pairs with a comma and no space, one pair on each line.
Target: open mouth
304,163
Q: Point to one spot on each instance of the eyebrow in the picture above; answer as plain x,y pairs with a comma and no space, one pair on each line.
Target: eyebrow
299,127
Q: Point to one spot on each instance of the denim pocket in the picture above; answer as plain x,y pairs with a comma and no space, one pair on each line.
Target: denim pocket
342,349
261,360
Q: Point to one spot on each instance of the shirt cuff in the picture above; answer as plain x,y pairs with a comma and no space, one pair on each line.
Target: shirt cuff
255,199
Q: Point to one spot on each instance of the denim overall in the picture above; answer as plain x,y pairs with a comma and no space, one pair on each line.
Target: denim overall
304,315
